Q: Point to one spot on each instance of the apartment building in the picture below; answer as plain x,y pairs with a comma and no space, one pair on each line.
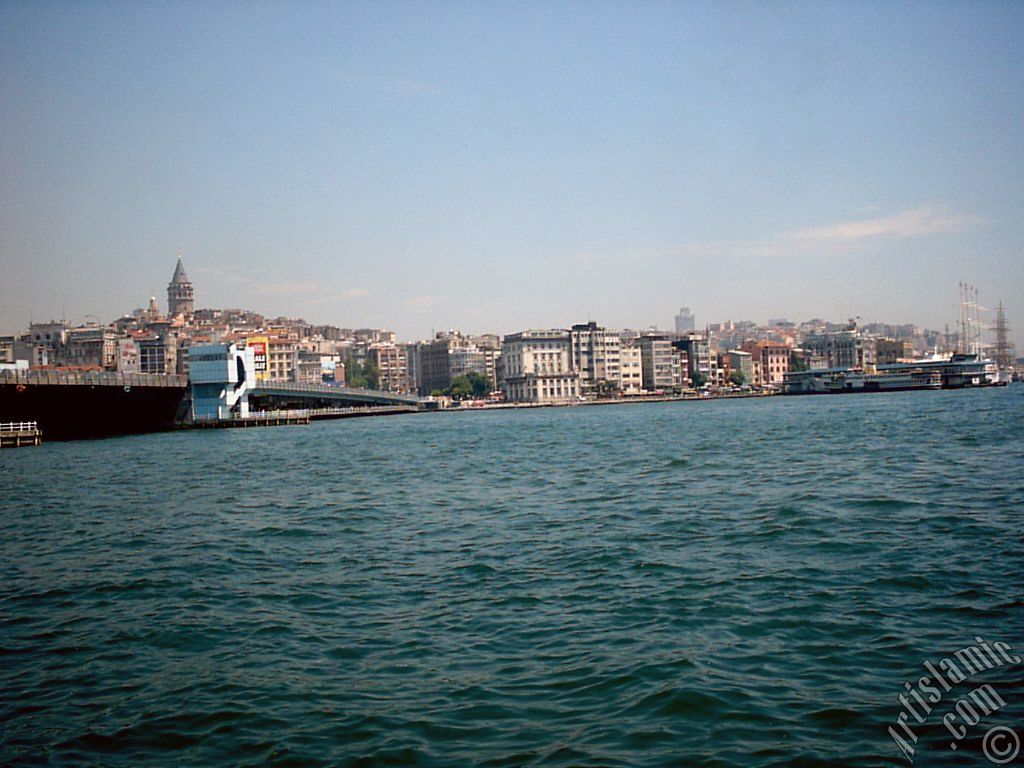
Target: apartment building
537,367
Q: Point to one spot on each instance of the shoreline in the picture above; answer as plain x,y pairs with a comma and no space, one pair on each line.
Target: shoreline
634,400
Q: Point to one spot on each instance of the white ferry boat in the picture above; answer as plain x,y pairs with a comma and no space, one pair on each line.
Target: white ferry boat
844,380
954,372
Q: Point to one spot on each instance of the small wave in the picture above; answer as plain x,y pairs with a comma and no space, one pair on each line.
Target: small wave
680,702
838,716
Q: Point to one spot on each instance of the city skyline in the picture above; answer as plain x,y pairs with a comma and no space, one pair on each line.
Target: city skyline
180,289
427,167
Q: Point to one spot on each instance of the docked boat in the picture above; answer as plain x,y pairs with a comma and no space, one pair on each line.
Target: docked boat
952,372
846,380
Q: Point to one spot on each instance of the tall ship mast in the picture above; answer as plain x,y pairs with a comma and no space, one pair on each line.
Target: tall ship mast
1003,349
970,328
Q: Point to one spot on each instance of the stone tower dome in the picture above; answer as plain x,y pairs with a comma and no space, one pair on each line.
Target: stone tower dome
180,298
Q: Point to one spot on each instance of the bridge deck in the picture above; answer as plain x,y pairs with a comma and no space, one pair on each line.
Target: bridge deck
327,392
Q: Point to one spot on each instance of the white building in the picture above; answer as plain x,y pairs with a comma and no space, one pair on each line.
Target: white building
282,359
537,368
596,354
631,372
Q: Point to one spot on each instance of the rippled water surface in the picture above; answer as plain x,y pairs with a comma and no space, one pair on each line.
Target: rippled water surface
709,583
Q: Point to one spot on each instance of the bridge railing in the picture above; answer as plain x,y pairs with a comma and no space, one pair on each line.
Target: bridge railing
310,412
10,427
301,387
316,412
92,378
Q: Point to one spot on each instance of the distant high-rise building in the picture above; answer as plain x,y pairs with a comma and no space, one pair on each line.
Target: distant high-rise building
685,321
180,298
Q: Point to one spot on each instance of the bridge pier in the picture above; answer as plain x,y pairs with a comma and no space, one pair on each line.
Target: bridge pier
224,387
221,376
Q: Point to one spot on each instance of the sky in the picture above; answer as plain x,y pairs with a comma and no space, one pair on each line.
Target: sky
498,166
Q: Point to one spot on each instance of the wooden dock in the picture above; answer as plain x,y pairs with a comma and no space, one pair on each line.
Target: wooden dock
14,434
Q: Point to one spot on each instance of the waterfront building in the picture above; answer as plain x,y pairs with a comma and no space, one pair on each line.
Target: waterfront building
659,364
596,354
490,345
451,354
180,296
466,359
683,362
537,367
392,367
773,359
412,365
848,348
631,373
685,321
742,361
698,356
308,367
282,358
434,362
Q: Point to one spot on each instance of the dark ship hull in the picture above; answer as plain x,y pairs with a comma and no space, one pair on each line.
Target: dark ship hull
73,412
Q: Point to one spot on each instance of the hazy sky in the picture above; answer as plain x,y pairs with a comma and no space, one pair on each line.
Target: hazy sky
495,166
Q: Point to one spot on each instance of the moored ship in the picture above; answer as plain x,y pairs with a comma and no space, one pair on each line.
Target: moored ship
954,372
843,380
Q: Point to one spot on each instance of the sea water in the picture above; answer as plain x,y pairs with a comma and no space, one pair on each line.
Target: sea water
747,582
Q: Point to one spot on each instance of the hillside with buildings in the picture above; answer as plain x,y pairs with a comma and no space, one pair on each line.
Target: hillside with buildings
583,360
